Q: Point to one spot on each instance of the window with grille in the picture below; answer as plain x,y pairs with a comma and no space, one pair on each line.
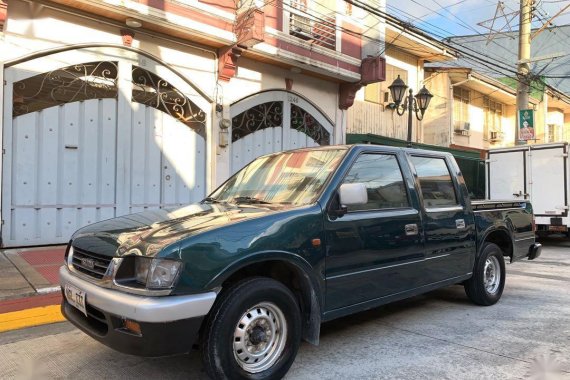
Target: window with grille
461,101
493,115
553,133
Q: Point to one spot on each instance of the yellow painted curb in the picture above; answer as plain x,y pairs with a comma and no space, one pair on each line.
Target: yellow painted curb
30,317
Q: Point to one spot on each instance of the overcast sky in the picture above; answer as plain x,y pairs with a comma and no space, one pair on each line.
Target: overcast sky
460,17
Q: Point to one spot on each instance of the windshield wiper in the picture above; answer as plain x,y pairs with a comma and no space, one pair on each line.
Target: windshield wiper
249,200
211,200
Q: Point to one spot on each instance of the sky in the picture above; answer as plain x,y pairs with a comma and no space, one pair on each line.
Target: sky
445,18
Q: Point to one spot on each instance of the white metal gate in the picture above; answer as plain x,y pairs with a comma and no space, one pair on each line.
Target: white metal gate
272,121
94,138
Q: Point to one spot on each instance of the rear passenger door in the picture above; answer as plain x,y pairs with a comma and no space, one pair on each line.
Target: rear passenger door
375,250
448,220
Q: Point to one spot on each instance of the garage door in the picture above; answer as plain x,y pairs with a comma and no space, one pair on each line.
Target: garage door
272,121
93,140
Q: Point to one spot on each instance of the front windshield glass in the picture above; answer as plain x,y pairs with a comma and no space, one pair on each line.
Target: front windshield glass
295,178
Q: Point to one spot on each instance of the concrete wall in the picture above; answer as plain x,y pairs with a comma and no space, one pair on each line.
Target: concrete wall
438,117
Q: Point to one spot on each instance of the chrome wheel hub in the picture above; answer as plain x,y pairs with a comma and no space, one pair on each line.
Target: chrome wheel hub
492,275
259,337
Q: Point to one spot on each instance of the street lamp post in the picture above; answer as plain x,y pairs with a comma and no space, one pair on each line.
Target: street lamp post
416,104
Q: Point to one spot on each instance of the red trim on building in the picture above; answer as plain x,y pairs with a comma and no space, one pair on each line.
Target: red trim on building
228,62
3,14
181,10
307,52
351,40
224,5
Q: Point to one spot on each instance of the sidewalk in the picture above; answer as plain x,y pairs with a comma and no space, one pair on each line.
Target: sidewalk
29,286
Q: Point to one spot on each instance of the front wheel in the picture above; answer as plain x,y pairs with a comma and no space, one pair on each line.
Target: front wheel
253,331
486,285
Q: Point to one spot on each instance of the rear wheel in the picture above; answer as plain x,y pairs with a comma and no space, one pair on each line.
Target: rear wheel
253,332
486,285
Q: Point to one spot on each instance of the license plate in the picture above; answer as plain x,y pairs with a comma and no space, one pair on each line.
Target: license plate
76,297
558,228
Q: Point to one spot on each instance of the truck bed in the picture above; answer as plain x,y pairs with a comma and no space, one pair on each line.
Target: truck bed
497,204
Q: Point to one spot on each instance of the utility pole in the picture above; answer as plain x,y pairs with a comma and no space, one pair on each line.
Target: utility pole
523,70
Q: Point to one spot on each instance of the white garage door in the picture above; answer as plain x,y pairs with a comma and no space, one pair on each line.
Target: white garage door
272,121
94,140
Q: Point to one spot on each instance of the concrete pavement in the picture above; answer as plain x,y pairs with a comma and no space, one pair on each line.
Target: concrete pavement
439,335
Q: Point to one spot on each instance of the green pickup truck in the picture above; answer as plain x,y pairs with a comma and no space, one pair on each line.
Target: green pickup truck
292,240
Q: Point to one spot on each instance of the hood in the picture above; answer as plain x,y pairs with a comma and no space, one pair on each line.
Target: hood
147,233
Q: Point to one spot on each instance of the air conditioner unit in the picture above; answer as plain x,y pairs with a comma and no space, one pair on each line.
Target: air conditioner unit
300,26
463,128
495,136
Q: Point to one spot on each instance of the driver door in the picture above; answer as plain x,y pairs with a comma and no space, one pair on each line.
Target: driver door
375,249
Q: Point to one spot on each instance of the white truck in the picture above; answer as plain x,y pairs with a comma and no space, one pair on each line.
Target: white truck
538,173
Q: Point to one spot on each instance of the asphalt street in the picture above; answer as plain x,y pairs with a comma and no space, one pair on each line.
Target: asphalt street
440,335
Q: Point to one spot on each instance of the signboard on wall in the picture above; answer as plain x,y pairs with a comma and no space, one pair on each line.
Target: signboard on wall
526,125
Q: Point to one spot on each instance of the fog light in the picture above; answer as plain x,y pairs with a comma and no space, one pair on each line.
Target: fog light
132,326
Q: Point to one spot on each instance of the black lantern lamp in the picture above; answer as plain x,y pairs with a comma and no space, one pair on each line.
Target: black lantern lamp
397,90
417,103
423,98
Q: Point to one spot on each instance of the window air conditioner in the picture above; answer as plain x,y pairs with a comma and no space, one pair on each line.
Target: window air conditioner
463,128
300,27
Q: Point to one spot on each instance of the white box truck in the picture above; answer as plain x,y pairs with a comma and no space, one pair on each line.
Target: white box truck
538,173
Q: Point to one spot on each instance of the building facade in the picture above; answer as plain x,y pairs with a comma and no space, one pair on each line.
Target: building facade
406,52
473,110
112,107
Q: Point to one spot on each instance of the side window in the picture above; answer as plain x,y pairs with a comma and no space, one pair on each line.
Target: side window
435,181
383,179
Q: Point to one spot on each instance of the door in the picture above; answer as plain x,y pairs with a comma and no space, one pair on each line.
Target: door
549,181
272,121
376,249
448,221
507,174
94,140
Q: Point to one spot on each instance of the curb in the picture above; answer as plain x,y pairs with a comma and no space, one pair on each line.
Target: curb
30,311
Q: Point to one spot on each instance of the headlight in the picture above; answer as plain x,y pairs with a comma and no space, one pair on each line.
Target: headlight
162,273
156,273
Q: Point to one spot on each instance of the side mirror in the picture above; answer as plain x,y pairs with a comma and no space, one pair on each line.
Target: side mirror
352,194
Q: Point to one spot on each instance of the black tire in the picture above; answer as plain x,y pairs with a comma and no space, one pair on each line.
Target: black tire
476,288
220,337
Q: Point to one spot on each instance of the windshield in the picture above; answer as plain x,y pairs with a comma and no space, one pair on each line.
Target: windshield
295,178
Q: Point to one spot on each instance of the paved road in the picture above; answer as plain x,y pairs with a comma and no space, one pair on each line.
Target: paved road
436,336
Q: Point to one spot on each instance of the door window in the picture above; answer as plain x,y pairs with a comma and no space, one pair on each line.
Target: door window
435,181
383,179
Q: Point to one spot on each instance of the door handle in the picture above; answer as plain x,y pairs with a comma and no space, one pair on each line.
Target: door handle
411,229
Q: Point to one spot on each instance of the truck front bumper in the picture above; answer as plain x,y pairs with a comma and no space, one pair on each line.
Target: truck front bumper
167,325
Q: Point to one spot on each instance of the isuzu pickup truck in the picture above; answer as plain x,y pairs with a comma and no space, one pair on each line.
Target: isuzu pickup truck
292,240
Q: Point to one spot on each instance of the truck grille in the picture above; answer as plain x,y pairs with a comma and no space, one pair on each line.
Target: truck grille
90,263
